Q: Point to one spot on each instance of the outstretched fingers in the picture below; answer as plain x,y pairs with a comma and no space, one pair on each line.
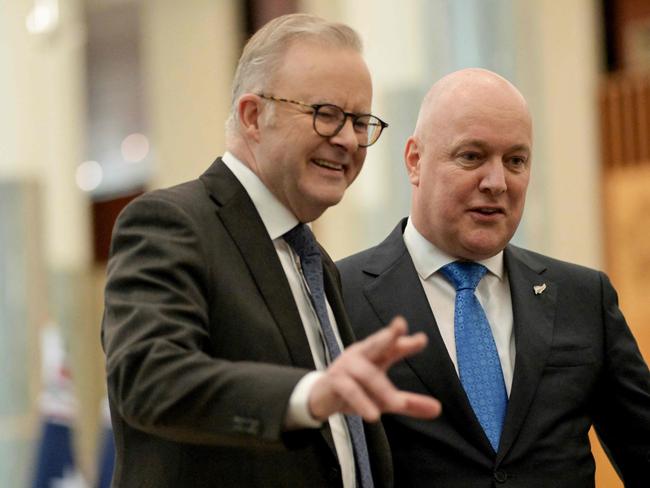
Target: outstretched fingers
391,344
374,386
419,406
366,390
357,382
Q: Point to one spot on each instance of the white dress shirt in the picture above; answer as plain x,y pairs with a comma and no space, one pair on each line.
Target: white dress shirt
278,220
493,293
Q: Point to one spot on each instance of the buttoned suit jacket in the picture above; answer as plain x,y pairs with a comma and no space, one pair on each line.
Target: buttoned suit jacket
204,346
577,365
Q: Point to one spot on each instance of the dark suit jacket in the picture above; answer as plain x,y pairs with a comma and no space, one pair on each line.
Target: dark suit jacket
576,364
204,346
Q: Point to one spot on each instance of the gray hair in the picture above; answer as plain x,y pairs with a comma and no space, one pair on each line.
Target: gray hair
264,52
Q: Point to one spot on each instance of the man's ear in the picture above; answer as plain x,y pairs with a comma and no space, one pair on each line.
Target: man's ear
249,112
412,160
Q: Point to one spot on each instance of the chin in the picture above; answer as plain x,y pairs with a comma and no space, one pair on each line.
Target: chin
479,251
324,192
315,207
329,199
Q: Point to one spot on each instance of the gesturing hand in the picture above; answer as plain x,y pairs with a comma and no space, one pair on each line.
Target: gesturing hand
356,382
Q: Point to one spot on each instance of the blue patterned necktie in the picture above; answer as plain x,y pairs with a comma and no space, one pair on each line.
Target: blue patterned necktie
478,361
301,239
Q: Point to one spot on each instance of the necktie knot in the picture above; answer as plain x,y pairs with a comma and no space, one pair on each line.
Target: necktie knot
303,242
464,275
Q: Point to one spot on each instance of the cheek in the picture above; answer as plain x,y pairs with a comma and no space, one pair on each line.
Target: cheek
357,165
443,207
518,193
453,195
446,190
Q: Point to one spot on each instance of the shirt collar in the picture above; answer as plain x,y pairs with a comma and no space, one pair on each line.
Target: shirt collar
277,218
428,259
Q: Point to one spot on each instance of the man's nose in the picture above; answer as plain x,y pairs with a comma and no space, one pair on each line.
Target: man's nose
346,137
494,178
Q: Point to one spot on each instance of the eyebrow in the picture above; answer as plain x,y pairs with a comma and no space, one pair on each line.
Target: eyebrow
338,106
482,145
520,147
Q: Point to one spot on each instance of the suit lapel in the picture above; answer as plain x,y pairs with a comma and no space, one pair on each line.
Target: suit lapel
241,220
396,290
234,208
533,315
333,293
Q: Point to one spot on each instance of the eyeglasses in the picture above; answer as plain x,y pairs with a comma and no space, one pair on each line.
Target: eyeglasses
329,119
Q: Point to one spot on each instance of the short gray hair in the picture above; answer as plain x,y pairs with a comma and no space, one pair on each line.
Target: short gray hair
263,53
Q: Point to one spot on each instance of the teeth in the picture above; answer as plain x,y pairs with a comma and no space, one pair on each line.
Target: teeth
327,164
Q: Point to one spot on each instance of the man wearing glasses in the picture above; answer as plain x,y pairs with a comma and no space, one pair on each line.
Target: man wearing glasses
224,327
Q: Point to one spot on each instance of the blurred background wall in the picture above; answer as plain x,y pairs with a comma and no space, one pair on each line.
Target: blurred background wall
103,99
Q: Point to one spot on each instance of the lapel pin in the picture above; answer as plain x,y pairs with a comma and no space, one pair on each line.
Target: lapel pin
539,289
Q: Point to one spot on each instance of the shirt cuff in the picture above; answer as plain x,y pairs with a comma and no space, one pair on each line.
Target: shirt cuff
298,414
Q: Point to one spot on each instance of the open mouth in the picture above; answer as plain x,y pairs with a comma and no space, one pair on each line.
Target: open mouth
327,164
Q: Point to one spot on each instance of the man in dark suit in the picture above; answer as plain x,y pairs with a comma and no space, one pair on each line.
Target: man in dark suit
224,359
526,357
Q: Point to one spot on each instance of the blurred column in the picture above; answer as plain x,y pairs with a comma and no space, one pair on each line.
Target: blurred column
22,276
557,50
189,53
44,242
72,298
21,257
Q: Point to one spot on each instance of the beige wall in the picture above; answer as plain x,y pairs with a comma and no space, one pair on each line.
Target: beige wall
190,50
558,69
41,141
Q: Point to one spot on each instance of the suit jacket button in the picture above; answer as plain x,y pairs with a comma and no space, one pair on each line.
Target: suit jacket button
500,476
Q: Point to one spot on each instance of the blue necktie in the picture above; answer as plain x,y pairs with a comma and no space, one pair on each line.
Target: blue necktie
478,360
301,239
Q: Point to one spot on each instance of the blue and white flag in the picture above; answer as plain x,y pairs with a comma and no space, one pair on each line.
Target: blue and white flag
55,465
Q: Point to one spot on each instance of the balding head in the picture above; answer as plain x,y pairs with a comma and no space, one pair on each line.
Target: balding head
470,87
469,163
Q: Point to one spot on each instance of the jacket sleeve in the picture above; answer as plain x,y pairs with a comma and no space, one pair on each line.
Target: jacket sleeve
164,376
